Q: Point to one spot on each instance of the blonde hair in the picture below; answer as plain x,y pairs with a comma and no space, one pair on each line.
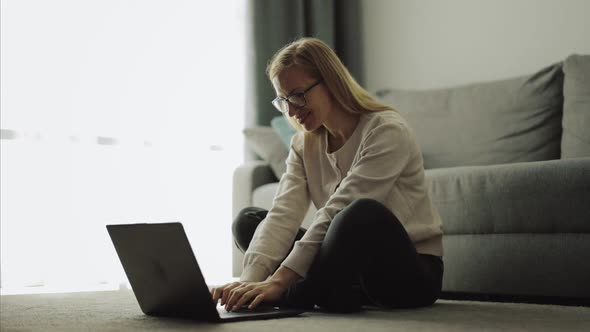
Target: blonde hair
321,62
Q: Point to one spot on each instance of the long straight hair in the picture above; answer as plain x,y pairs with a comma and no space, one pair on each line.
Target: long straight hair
321,62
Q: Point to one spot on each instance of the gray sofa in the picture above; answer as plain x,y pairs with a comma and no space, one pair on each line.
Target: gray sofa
508,167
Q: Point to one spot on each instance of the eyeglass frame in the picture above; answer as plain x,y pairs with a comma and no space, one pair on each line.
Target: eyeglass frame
275,102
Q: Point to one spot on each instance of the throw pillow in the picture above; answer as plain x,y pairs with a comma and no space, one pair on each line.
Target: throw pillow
265,142
284,129
575,141
497,122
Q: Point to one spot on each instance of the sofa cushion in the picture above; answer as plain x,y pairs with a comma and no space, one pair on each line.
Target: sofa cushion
532,197
284,129
265,142
575,141
505,121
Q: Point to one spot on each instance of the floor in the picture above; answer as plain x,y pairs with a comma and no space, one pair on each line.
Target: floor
118,311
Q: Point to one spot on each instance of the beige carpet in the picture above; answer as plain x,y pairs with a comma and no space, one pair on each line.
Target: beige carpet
118,311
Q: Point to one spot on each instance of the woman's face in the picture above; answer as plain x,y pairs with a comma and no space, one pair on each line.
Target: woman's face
318,102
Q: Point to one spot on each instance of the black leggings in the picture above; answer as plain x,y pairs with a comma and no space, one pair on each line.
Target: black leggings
366,258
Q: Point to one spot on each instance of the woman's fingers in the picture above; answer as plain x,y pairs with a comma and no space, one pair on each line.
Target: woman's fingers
247,297
238,297
232,298
235,295
227,291
215,294
257,300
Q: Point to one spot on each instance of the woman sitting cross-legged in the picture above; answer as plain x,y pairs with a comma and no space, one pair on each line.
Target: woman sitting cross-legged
376,238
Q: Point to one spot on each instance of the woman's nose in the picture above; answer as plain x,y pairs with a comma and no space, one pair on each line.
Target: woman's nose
292,109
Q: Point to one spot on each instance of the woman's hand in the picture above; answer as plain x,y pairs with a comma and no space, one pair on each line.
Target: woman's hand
236,294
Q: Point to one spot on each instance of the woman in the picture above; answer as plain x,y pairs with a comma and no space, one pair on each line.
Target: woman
376,238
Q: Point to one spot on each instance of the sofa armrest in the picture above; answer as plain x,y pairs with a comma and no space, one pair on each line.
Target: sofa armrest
246,178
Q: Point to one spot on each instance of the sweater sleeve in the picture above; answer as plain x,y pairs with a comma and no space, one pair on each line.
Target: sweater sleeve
275,234
383,156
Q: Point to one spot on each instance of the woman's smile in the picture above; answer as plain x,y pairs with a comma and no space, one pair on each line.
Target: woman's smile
302,116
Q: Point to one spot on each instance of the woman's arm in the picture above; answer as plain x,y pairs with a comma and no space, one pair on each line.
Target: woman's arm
275,234
285,277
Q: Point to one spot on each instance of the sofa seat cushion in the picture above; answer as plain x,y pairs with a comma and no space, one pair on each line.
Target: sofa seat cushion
534,197
505,121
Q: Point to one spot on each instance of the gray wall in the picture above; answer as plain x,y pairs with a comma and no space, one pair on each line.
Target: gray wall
430,43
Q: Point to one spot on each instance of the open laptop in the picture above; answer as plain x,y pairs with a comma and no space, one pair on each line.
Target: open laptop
166,278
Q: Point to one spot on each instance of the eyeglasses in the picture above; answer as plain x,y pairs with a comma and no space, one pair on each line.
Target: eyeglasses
297,99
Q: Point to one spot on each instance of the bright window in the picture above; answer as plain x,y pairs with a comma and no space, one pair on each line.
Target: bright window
115,111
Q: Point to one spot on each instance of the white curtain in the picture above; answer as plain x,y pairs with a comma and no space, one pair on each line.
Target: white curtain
115,111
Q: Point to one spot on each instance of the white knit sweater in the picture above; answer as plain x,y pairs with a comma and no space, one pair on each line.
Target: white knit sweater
381,160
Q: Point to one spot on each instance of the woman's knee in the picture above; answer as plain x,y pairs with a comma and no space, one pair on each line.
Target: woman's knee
363,212
363,221
245,224
350,228
368,206
246,218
